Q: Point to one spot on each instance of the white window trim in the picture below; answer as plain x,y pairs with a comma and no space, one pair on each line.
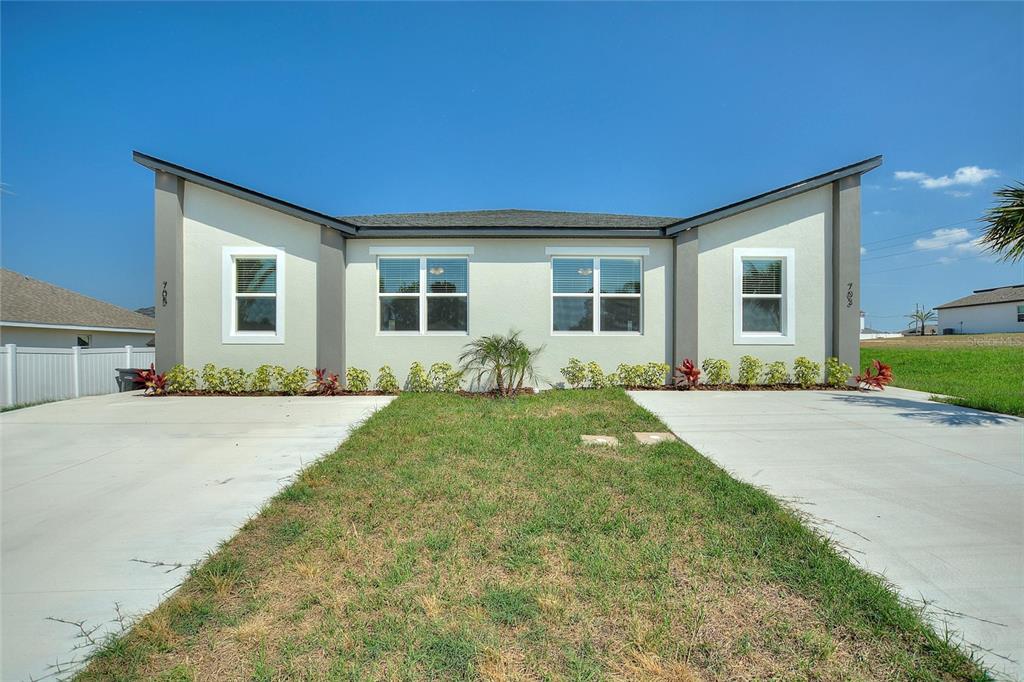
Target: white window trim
229,318
788,335
596,295
422,294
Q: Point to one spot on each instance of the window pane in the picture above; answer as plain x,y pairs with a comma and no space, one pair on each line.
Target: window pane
256,275
620,276
762,315
620,314
446,314
762,275
573,275
446,275
399,314
399,275
574,314
257,314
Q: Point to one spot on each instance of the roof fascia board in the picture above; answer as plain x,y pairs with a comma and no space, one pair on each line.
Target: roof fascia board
405,233
240,192
774,195
77,327
974,305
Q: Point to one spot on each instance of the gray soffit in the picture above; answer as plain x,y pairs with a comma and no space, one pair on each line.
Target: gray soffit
775,195
510,218
240,192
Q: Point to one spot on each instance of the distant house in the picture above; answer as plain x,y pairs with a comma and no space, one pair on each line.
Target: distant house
867,333
38,314
986,311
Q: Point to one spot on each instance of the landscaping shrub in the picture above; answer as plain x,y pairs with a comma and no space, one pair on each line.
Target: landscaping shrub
575,373
596,376
357,380
806,372
653,374
776,373
293,382
505,360
181,379
686,374
387,382
417,381
262,379
750,370
880,379
716,371
327,383
837,373
630,376
445,378
234,380
212,381
154,383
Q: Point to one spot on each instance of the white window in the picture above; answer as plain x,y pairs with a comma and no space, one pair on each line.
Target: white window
253,283
1020,313
423,295
596,295
763,283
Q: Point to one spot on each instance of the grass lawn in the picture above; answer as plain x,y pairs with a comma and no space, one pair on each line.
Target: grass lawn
983,371
471,538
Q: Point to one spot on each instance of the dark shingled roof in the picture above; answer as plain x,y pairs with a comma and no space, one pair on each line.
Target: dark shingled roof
1008,294
23,299
509,217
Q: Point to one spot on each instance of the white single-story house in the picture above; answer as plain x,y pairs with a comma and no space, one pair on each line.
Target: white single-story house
986,311
41,315
243,278
868,334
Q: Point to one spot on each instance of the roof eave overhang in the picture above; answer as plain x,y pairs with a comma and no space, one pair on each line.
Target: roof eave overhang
800,187
75,327
511,232
948,306
265,200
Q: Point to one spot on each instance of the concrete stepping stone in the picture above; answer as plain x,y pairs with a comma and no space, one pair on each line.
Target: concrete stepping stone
609,441
654,437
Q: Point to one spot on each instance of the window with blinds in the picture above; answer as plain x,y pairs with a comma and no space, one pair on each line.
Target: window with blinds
256,294
423,295
761,295
594,295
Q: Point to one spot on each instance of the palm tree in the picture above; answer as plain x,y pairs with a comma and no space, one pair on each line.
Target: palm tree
505,360
921,317
1005,220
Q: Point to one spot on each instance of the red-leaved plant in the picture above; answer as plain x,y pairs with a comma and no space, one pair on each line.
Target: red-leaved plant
325,383
154,383
879,380
686,374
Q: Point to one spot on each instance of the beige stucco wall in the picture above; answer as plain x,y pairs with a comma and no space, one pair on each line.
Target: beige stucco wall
801,222
40,337
213,220
982,319
509,288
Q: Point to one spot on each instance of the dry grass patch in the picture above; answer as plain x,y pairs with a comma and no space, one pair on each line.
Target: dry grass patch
459,538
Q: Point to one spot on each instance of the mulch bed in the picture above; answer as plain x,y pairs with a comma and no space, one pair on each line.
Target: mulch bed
265,394
748,387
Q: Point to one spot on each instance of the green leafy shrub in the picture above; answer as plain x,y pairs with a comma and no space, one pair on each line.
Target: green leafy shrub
234,380
653,374
776,373
750,370
445,378
212,379
417,381
630,376
387,382
596,376
357,380
181,379
806,372
295,381
575,373
837,373
262,379
716,371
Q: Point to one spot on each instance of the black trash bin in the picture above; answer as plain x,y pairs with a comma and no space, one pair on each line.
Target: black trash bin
126,379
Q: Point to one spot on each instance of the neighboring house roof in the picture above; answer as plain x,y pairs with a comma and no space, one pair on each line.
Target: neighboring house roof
506,222
869,330
1008,294
148,311
25,300
509,217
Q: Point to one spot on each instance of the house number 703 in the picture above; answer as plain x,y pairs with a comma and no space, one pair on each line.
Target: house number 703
849,294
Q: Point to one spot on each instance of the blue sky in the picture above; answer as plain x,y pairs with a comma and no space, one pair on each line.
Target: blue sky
661,109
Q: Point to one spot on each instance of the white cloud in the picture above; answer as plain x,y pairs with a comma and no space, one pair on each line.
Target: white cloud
863,250
943,238
957,193
973,246
965,175
946,260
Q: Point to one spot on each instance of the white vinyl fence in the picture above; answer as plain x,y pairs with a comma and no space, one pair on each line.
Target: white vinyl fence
34,375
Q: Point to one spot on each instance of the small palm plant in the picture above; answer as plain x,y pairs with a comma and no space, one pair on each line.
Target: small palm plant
921,317
1005,232
505,361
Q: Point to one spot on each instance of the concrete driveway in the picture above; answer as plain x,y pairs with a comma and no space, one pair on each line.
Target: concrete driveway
927,494
91,485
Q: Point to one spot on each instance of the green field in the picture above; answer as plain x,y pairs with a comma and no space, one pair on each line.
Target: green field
983,375
458,538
